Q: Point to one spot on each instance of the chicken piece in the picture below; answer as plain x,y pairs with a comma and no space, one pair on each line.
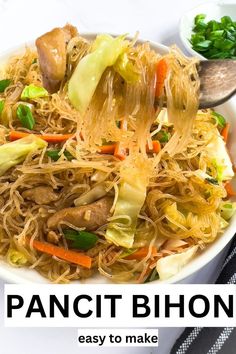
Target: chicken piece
40,195
51,48
98,212
53,237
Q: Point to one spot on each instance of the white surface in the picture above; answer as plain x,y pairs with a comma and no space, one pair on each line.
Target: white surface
156,20
212,11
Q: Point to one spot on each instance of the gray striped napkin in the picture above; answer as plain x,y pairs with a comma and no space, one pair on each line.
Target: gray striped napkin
212,340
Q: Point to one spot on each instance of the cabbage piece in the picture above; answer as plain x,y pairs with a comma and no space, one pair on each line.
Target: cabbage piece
87,74
31,91
131,197
175,215
126,69
216,150
171,265
16,258
227,210
15,152
223,223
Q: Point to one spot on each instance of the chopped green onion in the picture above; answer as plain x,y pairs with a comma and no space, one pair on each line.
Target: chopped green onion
153,276
81,239
54,154
2,104
199,18
220,119
118,123
25,116
163,136
32,91
4,84
34,61
214,39
212,181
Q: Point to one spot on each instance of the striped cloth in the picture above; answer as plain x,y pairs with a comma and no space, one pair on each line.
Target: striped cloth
212,340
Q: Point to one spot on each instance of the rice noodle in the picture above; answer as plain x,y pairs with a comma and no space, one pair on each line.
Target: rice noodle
173,184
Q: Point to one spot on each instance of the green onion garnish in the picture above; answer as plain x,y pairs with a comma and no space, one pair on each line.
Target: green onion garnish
25,116
4,84
212,181
2,104
214,39
80,239
153,276
54,154
220,119
163,136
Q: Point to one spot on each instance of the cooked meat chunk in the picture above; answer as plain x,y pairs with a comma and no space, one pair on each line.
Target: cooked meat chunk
51,48
41,195
53,237
90,216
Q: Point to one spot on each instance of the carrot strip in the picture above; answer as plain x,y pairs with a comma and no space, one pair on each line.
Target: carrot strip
104,149
156,147
120,150
225,132
161,73
107,149
229,189
50,138
142,253
67,255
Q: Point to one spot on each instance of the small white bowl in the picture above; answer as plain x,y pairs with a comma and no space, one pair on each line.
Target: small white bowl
213,11
26,275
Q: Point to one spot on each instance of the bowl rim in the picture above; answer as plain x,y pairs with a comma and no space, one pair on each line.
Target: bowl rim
11,274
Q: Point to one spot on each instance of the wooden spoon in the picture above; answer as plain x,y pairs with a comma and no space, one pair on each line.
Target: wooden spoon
217,82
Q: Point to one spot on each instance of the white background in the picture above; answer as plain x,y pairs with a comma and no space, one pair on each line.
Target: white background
22,20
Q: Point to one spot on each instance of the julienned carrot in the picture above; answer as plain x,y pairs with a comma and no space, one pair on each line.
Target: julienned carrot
161,73
107,149
225,132
229,189
156,147
50,138
67,255
142,253
110,149
58,138
120,150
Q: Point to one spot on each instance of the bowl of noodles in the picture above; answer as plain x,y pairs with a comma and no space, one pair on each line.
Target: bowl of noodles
109,172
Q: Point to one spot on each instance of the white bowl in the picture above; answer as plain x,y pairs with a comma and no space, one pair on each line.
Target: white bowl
23,275
213,11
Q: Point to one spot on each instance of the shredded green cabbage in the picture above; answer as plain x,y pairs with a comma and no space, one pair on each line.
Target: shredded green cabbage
32,91
16,258
131,197
227,210
126,69
15,152
104,53
171,265
174,214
